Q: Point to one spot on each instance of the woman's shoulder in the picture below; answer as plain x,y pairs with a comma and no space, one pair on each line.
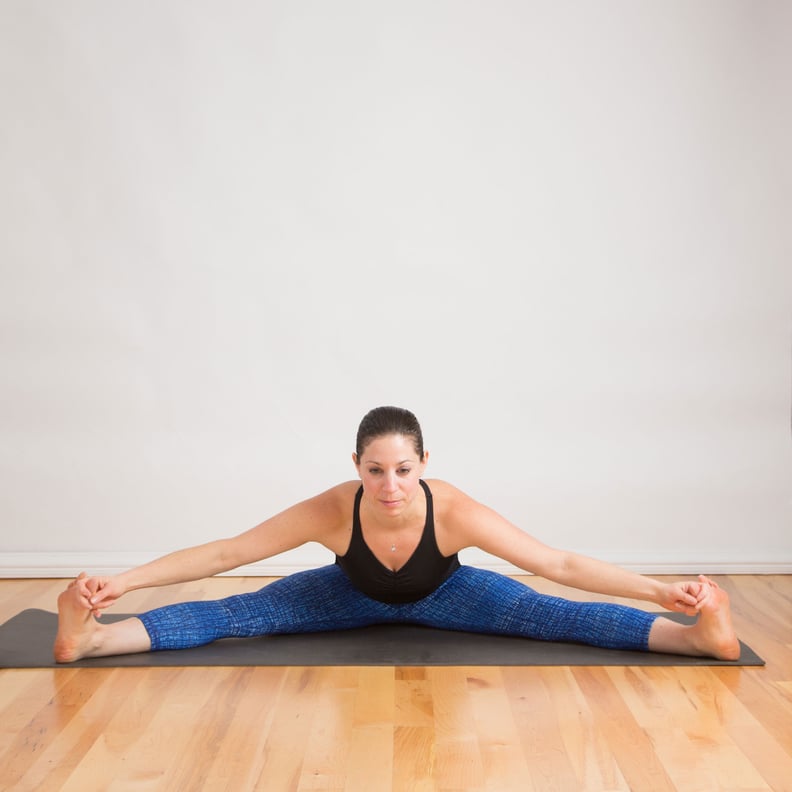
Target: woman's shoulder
456,506
440,485
446,494
340,496
328,511
459,518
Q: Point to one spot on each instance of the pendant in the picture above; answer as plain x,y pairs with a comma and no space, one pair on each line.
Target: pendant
393,547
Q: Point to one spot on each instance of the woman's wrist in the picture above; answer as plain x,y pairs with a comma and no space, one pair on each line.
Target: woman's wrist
125,581
655,591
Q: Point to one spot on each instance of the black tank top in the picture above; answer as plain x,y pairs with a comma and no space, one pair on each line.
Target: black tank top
422,573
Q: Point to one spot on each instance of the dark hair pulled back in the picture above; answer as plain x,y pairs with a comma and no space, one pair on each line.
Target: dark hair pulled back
386,421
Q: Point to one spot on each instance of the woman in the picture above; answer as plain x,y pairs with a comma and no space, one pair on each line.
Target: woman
396,539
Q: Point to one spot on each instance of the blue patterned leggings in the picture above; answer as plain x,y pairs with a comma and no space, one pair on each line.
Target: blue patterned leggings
471,600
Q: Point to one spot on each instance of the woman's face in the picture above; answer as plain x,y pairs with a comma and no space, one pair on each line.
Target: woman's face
390,470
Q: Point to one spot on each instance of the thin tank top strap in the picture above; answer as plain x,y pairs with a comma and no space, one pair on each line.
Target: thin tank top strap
356,530
429,507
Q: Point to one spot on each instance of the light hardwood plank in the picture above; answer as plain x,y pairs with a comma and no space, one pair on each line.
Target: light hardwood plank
416,729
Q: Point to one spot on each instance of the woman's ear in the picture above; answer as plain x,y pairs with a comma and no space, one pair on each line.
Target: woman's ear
356,459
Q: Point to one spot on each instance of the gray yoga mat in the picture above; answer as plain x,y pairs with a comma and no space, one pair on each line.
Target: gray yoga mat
26,642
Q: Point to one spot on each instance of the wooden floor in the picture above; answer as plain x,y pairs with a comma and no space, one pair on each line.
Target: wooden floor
379,729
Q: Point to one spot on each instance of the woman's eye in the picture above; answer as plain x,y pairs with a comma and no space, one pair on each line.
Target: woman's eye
404,471
373,471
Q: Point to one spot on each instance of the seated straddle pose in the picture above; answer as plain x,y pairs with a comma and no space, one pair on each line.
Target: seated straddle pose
396,539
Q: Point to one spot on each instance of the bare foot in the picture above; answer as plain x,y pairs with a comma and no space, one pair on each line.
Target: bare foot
715,634
77,627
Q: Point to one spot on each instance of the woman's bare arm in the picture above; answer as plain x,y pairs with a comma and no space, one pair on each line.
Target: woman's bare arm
471,524
317,519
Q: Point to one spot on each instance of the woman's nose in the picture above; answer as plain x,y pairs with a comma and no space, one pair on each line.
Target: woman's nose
390,482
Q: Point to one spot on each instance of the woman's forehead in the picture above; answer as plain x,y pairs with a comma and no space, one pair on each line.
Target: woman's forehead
391,446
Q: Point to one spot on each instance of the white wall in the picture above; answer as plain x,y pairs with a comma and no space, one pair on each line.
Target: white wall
556,231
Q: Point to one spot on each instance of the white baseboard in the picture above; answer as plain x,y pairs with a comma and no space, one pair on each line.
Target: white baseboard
69,564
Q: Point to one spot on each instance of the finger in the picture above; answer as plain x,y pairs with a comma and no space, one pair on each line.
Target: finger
102,599
685,594
690,598
85,594
704,598
82,594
